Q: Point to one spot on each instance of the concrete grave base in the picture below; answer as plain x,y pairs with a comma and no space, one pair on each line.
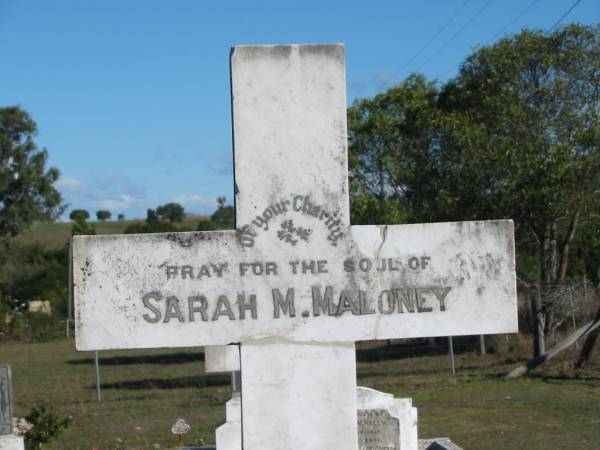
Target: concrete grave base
11,442
438,444
228,436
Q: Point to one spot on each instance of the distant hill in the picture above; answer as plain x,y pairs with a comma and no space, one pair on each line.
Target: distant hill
55,235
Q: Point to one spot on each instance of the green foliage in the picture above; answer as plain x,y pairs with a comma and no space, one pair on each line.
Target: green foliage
173,212
79,214
31,326
80,226
47,426
222,219
207,225
160,220
515,135
27,193
103,214
390,137
33,272
152,227
121,217
151,215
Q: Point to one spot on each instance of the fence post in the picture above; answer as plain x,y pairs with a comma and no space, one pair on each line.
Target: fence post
451,348
98,393
482,344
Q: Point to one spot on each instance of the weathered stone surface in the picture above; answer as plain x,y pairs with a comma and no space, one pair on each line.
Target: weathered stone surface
440,279
12,442
288,403
384,422
388,422
228,436
6,401
224,358
377,430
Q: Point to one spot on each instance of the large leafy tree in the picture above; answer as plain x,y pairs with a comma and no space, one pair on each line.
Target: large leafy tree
515,135
27,193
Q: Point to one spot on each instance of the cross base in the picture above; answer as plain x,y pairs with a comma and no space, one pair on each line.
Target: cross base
318,383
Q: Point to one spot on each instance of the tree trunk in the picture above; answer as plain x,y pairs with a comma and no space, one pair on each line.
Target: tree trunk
566,248
588,345
537,317
565,343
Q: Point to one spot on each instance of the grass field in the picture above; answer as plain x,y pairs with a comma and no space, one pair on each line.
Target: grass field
144,392
55,235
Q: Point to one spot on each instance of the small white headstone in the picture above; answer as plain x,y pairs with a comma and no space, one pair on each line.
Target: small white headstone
385,422
225,358
40,306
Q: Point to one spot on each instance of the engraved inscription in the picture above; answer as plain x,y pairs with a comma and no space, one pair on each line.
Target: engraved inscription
377,430
308,299
324,301
288,232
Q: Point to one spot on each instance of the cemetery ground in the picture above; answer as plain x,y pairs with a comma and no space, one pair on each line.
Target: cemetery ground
144,392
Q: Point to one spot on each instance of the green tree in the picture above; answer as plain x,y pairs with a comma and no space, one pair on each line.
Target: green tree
79,214
515,135
80,226
224,216
390,138
27,192
121,217
173,212
103,214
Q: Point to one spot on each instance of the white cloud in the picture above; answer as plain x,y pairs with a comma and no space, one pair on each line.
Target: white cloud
69,184
191,201
121,203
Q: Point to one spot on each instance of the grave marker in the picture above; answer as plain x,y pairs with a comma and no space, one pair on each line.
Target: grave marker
295,284
6,401
8,439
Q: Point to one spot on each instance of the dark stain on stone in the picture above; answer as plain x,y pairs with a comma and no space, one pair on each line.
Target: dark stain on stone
188,240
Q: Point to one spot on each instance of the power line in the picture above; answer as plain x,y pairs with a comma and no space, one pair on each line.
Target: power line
455,35
508,24
563,16
521,14
518,17
432,38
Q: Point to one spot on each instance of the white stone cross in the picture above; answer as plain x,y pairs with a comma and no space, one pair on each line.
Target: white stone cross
295,285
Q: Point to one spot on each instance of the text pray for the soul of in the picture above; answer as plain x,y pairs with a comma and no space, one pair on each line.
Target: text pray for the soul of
325,300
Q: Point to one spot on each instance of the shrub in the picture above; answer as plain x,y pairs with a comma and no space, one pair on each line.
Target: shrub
47,426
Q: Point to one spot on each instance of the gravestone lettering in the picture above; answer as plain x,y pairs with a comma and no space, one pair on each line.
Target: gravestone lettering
377,430
6,414
295,284
396,281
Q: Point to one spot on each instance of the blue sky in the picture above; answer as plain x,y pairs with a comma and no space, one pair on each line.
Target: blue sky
132,97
